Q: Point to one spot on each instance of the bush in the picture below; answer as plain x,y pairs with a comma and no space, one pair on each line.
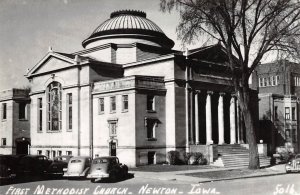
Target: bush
186,157
173,157
202,161
194,158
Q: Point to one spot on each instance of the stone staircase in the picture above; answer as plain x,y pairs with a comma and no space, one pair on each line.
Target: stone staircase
234,156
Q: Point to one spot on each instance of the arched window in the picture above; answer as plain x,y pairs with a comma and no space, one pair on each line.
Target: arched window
54,106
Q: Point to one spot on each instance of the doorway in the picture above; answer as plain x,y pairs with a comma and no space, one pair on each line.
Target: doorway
22,147
112,148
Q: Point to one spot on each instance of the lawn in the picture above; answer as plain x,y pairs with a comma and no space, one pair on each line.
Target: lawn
169,168
226,173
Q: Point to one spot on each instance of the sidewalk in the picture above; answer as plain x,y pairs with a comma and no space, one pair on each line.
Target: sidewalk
179,175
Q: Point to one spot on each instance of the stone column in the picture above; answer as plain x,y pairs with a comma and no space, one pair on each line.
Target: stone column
232,121
192,140
221,118
197,116
208,119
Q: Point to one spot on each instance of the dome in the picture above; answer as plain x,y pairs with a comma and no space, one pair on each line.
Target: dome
132,25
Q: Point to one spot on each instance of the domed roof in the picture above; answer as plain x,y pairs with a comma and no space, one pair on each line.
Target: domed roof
129,24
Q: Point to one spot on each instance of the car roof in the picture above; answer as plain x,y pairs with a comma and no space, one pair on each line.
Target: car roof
106,157
80,157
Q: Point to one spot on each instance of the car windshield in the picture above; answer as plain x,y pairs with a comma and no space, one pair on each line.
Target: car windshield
76,161
100,161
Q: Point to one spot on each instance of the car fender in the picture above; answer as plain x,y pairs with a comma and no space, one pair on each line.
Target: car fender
85,171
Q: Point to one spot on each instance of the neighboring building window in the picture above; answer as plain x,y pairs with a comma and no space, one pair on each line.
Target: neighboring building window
3,142
150,102
48,153
113,104
287,134
294,135
54,96
101,105
125,102
39,152
40,114
277,79
287,113
53,153
269,81
69,111
260,81
112,127
265,82
59,153
69,153
273,81
276,113
22,110
4,110
151,128
293,113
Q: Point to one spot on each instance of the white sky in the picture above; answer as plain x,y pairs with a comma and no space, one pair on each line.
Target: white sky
29,27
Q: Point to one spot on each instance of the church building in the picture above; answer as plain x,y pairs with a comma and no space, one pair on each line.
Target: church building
129,94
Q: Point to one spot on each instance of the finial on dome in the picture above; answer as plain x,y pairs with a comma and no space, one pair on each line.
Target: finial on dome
50,49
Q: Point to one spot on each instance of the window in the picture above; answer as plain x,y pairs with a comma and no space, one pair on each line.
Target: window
260,81
273,81
69,111
4,110
151,158
48,153
287,113
112,127
265,82
53,153
39,152
277,80
150,102
113,104
125,102
69,153
101,105
54,94
151,126
40,114
3,142
59,153
22,111
294,135
276,113
269,81
293,113
287,134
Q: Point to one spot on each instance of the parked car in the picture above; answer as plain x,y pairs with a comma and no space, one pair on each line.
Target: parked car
78,166
58,164
8,166
107,167
293,165
33,165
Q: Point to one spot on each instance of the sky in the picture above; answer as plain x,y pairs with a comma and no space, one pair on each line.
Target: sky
29,27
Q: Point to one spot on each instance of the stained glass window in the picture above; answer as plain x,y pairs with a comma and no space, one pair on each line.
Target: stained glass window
54,106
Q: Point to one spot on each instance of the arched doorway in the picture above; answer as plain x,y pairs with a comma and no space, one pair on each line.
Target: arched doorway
22,145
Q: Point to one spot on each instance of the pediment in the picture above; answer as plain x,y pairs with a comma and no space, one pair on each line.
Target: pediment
51,62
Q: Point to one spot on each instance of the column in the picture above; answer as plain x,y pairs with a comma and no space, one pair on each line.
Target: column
187,129
232,121
197,116
239,123
192,140
208,119
221,118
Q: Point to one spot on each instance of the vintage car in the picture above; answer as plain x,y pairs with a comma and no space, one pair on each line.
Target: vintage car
107,167
58,164
8,166
33,165
78,167
293,165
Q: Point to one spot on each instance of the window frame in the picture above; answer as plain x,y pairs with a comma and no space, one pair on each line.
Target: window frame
113,123
150,103
151,128
101,105
51,87
125,103
113,104
40,114
69,111
4,111
294,117
25,109
3,141
287,113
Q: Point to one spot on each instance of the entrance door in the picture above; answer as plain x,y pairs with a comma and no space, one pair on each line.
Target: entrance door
22,147
113,148
151,158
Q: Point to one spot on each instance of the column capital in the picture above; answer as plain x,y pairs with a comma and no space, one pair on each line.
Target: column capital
210,92
197,91
222,93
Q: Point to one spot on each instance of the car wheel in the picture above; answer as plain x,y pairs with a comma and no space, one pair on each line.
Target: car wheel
93,180
113,176
287,171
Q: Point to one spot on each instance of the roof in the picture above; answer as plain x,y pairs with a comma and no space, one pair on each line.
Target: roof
129,24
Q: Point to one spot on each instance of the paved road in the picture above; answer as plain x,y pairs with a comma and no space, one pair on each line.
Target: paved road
273,185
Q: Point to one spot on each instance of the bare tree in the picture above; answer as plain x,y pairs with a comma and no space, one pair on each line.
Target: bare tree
247,29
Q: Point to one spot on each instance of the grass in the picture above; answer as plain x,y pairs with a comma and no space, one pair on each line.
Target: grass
169,168
225,174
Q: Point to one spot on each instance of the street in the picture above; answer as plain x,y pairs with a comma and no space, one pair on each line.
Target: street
275,185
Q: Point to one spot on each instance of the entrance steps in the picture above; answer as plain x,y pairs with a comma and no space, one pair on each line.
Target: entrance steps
237,156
